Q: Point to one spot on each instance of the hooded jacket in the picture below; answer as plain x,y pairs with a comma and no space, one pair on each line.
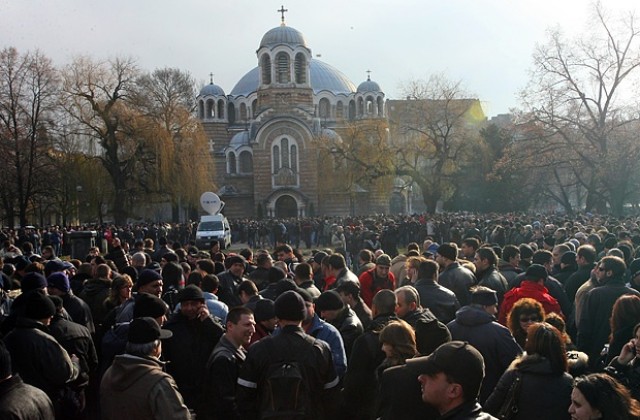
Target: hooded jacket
493,341
138,388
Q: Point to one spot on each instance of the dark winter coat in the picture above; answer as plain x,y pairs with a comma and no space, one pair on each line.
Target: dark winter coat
350,328
441,301
459,280
430,332
188,351
22,401
493,341
544,394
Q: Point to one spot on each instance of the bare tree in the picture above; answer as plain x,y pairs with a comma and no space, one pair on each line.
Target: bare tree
28,97
580,95
97,95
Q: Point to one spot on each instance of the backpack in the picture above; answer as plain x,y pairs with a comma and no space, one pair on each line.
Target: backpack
285,393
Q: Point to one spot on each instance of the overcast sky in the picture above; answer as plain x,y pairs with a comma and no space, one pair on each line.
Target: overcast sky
486,44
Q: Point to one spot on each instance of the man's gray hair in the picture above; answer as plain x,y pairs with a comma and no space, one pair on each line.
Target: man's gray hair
142,350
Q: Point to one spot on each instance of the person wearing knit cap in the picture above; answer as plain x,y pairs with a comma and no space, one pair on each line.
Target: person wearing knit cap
265,317
291,347
372,281
149,281
135,385
476,324
37,356
333,310
78,310
317,327
230,280
195,334
568,266
531,287
115,338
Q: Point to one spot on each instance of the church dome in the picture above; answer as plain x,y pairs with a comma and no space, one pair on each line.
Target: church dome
211,90
239,140
323,78
283,35
368,86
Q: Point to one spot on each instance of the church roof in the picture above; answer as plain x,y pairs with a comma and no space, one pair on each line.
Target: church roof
283,35
211,90
368,86
323,78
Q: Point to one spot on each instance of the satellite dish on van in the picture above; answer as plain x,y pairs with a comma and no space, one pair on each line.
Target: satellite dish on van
211,203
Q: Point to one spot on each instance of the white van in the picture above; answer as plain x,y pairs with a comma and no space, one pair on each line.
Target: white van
213,227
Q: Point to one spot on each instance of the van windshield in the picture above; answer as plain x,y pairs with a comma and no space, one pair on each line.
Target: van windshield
210,226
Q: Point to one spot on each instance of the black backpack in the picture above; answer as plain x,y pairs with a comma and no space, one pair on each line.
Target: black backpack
285,392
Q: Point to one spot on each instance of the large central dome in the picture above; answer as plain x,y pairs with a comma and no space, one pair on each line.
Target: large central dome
283,35
323,78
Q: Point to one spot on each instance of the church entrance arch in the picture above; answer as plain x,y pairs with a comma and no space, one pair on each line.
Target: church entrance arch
286,206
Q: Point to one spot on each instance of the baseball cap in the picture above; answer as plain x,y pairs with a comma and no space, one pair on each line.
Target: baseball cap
146,330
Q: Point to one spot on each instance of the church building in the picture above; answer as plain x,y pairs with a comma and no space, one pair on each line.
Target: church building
271,136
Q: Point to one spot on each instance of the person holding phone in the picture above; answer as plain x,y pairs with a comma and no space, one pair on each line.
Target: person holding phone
626,366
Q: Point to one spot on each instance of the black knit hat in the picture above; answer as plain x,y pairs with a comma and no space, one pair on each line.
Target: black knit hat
290,306
38,306
191,292
146,330
329,301
448,251
265,309
147,276
149,305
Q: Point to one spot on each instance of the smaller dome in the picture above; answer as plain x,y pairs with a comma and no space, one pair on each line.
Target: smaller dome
330,135
239,139
211,90
283,35
368,86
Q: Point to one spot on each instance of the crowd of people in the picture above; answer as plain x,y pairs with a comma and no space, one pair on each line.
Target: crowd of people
452,316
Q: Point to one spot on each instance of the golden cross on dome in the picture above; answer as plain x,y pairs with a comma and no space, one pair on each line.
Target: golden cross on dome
282,11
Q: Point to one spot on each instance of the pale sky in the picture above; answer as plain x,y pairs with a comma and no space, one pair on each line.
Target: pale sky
485,44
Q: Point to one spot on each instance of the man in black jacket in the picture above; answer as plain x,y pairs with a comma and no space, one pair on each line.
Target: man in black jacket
476,323
454,277
441,301
17,399
594,327
333,310
430,332
195,334
360,385
290,351
224,365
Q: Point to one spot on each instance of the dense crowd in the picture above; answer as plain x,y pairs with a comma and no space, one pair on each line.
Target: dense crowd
409,317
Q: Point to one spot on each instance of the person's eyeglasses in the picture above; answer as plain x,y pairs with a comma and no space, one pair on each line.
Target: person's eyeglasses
531,318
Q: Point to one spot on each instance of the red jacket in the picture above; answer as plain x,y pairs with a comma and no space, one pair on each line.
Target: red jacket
368,290
528,289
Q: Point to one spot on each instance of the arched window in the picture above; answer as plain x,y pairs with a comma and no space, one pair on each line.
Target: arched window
231,113
201,109
254,108
301,68
369,107
282,61
276,158
339,110
265,63
360,107
231,163
324,108
352,110
284,152
380,107
220,108
210,109
243,112
294,158
246,162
